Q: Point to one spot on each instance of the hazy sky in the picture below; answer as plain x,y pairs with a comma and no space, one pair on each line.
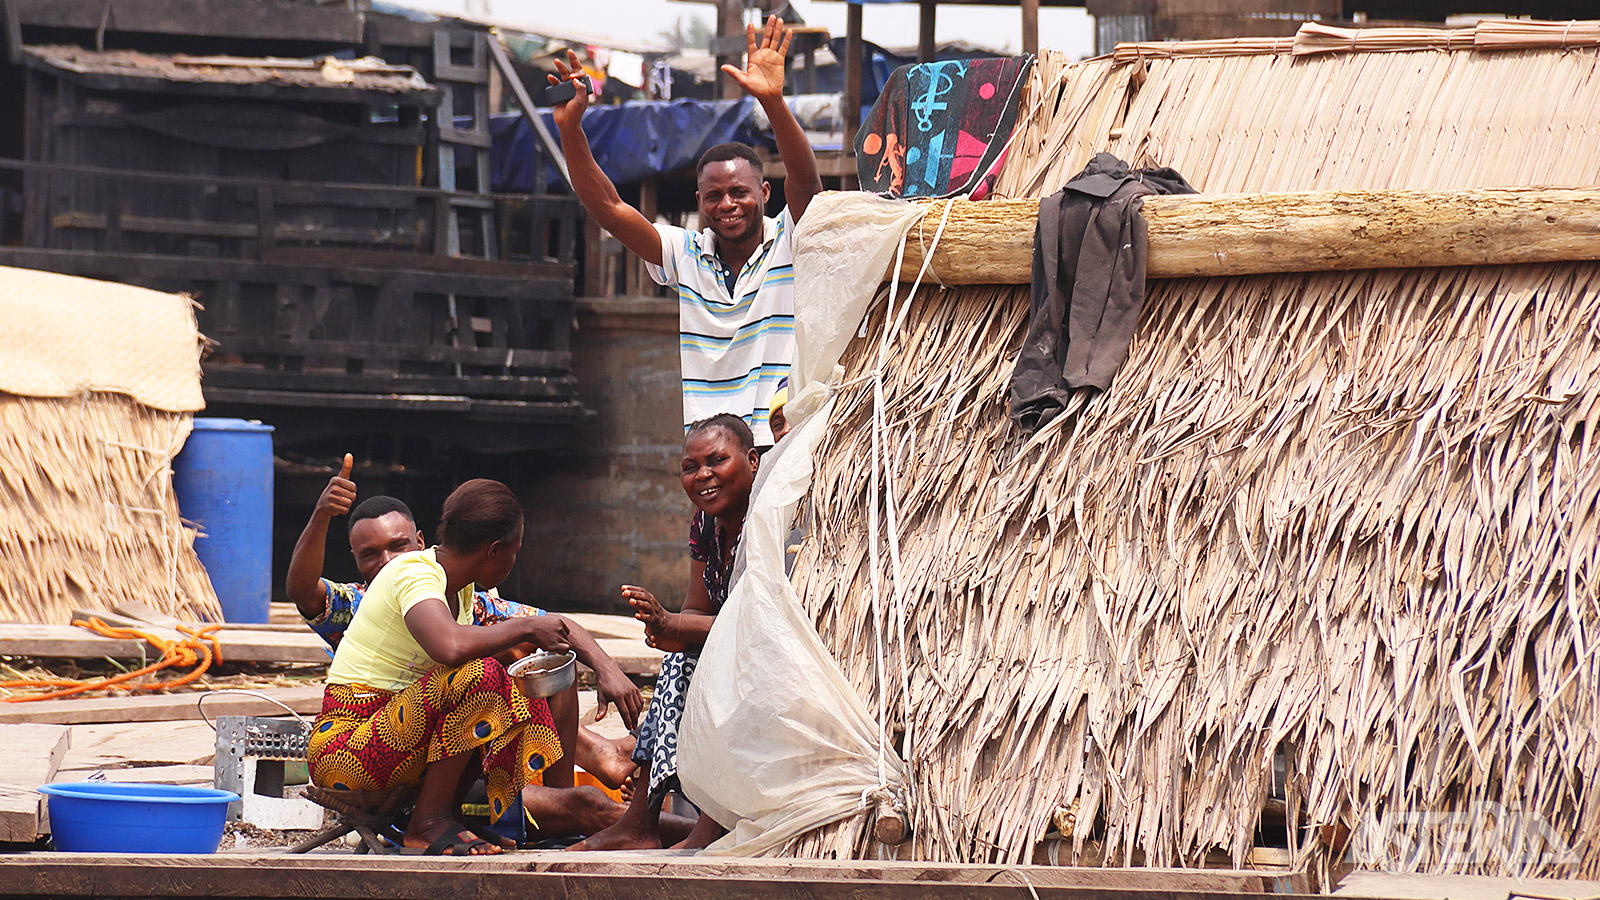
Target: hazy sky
894,25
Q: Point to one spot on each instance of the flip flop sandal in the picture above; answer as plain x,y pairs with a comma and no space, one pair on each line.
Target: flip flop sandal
452,844
490,835
560,842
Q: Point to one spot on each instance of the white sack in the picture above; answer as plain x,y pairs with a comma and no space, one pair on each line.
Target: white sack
775,742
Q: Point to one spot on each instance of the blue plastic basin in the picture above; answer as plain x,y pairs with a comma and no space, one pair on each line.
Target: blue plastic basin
105,817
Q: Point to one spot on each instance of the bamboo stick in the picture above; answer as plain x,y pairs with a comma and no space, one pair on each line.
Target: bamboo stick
991,242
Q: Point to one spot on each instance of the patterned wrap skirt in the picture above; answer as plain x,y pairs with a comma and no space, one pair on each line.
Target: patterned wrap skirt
367,739
657,747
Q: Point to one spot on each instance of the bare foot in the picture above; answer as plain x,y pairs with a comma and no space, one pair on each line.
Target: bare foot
621,836
705,831
610,761
675,830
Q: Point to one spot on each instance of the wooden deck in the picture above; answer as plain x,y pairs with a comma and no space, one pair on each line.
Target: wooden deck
595,876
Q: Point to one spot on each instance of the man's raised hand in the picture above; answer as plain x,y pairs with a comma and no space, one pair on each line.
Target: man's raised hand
570,113
339,494
762,76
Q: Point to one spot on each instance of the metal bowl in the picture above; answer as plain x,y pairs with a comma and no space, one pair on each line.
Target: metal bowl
545,674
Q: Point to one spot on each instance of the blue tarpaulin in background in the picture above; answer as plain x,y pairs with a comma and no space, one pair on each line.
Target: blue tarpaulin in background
630,142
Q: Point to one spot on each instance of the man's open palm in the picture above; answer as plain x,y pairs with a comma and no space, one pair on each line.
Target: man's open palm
762,76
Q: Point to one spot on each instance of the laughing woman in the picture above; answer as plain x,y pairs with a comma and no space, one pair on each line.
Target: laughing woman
719,469
415,693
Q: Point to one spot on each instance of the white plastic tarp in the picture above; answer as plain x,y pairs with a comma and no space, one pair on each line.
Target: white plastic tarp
775,742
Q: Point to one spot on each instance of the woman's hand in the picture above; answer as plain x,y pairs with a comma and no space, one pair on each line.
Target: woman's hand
545,632
614,687
658,622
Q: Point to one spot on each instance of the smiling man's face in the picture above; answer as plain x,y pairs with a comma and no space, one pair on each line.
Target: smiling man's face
732,199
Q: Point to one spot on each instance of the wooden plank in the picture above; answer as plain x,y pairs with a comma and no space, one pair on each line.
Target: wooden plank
141,268
146,177
123,745
352,256
604,626
29,756
198,775
238,645
349,400
991,242
1462,887
65,641
238,230
502,357
1128,879
161,707
143,612
649,877
524,387
631,655
285,614
262,20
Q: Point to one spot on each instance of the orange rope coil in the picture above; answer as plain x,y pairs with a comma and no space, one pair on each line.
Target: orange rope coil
198,648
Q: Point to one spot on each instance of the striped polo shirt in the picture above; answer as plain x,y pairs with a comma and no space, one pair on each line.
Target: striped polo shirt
735,346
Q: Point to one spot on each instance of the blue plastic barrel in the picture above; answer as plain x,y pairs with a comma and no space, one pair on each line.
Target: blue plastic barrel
223,479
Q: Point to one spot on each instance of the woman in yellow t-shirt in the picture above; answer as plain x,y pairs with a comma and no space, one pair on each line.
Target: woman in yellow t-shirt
415,693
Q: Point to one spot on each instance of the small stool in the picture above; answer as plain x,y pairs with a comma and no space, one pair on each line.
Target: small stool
367,813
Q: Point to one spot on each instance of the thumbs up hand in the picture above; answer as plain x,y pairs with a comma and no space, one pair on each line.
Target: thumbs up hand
339,494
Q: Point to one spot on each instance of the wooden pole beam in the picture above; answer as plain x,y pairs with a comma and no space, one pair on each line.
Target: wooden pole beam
1202,236
502,61
1030,27
730,28
850,108
927,48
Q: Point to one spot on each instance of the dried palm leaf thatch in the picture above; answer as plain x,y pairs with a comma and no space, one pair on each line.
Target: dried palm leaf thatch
87,514
1316,37
1349,520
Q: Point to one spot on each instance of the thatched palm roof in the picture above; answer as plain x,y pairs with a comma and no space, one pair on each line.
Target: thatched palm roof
98,386
1349,518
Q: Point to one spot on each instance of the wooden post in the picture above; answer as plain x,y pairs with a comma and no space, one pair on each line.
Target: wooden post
636,280
851,107
1202,236
594,284
809,82
13,32
927,48
730,27
113,195
1030,27
266,223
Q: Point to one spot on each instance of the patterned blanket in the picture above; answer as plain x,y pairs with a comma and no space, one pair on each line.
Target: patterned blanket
939,129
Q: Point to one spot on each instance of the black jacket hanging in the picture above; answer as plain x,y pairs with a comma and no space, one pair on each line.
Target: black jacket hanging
1089,252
